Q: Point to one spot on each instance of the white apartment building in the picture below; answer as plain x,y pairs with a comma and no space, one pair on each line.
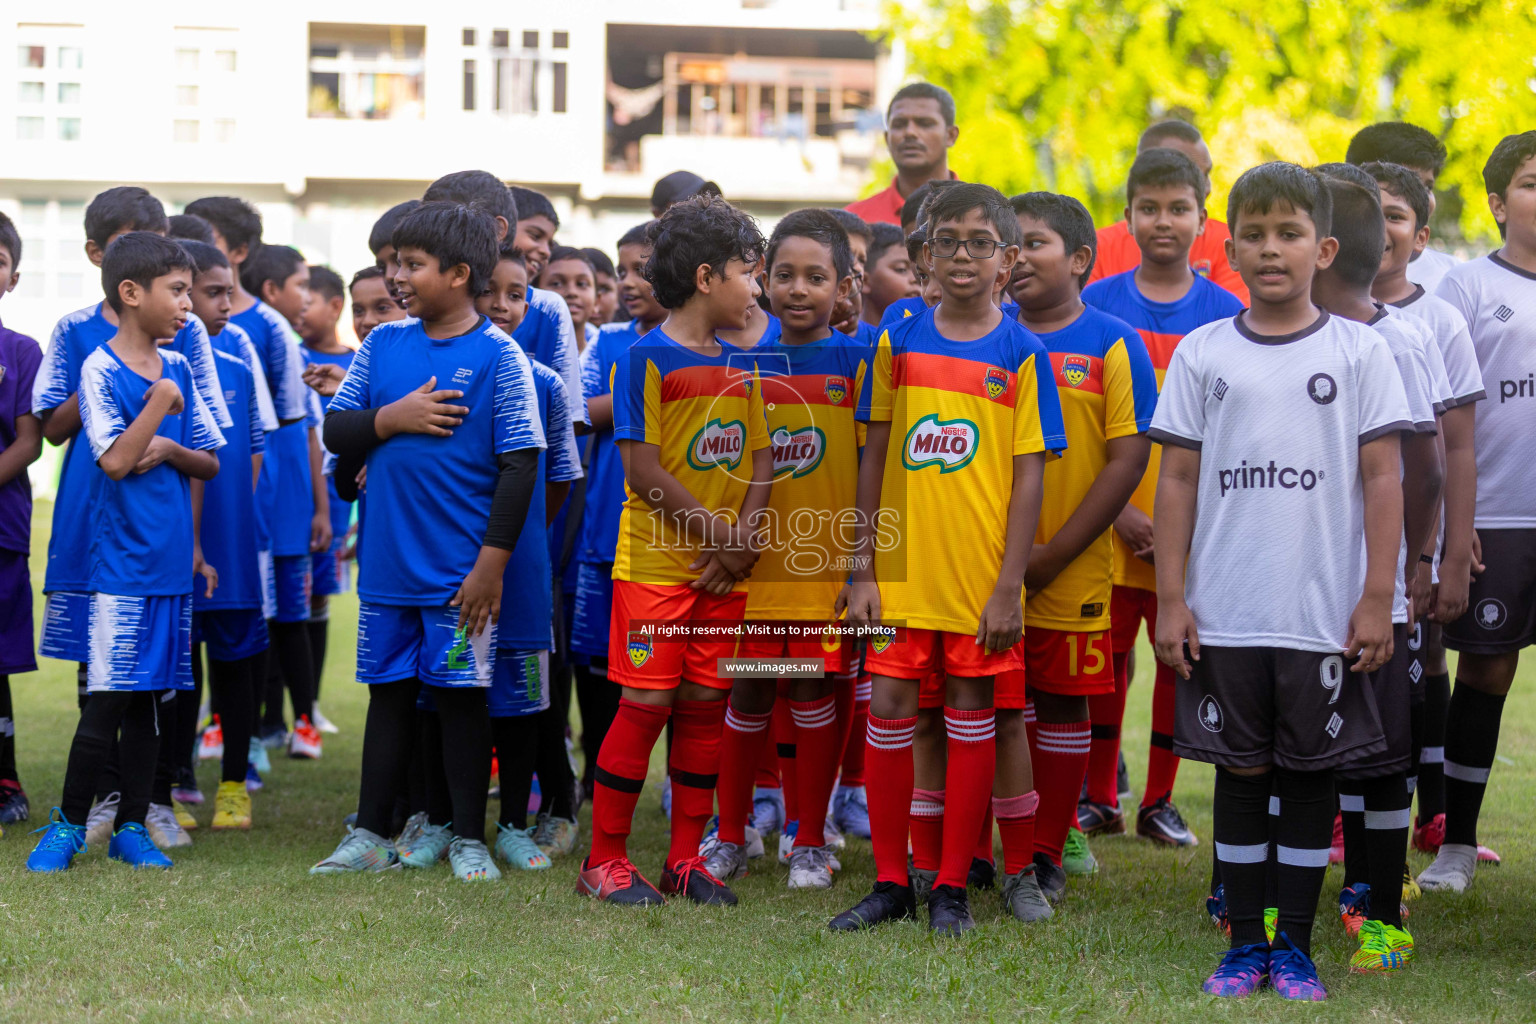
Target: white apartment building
325,113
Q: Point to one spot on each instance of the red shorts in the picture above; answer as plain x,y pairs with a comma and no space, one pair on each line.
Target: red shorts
1128,606
1060,662
931,691
650,663
918,653
834,650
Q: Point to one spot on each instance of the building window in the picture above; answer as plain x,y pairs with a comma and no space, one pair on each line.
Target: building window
469,37
517,85
224,129
71,58
557,103
29,129
224,60
184,131
469,85
530,40
29,92
186,95
368,72
69,129
186,59
560,40
30,56
500,39
69,92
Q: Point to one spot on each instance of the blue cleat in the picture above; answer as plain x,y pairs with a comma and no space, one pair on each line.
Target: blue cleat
253,781
1293,974
1241,973
131,845
850,810
1216,907
13,803
60,842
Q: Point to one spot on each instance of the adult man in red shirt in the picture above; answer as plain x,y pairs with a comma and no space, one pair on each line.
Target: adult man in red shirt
1208,256
920,128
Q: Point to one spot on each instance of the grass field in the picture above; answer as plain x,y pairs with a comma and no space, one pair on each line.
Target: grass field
239,930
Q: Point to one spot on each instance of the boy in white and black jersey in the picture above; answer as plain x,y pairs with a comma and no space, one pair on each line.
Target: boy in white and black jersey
1373,790
1497,295
1280,431
1422,153
1406,204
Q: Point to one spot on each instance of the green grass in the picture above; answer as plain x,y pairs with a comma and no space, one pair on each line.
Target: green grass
239,930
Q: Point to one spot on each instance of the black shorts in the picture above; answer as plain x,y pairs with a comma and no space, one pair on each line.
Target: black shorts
1392,685
1423,642
1248,707
1501,607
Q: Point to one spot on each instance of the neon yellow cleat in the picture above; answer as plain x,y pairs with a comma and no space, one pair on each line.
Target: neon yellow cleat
1383,947
232,807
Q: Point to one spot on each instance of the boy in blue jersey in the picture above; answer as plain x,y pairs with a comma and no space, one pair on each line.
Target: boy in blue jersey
227,619
1164,300
458,478
298,509
21,442
317,326
599,539
535,230
148,431
382,248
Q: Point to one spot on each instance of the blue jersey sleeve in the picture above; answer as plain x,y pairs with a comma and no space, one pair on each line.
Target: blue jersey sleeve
257,422
594,381
101,411
563,461
516,406
200,430
192,341
634,409
58,376
354,392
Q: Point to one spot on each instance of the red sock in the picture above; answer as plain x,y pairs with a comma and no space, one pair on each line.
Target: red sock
1016,822
842,698
1106,711
972,761
1060,754
927,824
889,762
742,743
983,849
1162,765
621,765
853,754
816,750
694,768
768,763
784,744
1030,725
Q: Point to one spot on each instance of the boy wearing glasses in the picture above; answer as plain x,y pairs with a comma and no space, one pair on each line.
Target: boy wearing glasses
967,396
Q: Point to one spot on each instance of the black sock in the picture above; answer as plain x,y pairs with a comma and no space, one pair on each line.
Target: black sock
1271,865
1471,740
1242,839
436,800
466,755
95,735
230,688
1431,785
1352,810
290,645
318,629
1386,821
557,785
185,736
165,752
7,732
139,754
270,687
516,750
386,743
598,700
1303,836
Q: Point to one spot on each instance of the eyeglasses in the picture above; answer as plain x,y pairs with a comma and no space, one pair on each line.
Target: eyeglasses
945,247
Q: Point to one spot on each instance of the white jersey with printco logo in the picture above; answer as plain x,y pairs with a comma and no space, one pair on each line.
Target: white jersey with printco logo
1449,329
1499,301
1430,266
1277,558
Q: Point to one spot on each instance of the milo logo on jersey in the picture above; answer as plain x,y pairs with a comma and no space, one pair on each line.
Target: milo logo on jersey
797,452
639,648
1075,369
996,381
718,444
948,444
836,389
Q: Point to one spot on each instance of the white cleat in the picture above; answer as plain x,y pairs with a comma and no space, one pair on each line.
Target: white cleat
1452,870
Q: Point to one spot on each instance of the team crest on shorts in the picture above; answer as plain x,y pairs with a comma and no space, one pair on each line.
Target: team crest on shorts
880,643
639,648
1211,718
1075,369
996,381
1490,613
836,389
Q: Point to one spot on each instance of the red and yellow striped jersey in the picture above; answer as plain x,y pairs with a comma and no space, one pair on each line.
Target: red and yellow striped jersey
959,412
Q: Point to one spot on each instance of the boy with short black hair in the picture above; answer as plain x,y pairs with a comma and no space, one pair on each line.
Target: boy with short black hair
688,416
505,299
1271,424
372,302
191,227
1421,152
147,444
968,393
605,284
888,273
1500,619
379,240
1108,391
1164,299
537,223
459,479
21,442
571,275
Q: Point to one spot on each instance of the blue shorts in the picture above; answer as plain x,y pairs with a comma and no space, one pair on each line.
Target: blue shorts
230,634
397,642
15,614
588,626
519,684
329,572
285,587
66,626
140,643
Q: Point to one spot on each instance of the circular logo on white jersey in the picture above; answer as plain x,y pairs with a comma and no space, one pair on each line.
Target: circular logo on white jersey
1322,389
1211,718
1490,613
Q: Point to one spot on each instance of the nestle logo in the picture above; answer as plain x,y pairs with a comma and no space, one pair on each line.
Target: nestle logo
1502,314
1220,390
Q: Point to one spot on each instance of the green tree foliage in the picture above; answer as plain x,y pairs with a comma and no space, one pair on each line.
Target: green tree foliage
1052,94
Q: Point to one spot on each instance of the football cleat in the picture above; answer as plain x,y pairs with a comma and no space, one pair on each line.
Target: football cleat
949,912
1383,948
690,878
210,745
1242,972
1023,898
1099,819
60,842
1076,857
618,882
1292,973
304,742
231,807
361,850
1428,835
1163,824
1452,870
132,845
886,902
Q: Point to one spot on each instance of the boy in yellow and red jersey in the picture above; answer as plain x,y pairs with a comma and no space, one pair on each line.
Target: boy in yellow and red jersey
810,376
1108,393
962,411
688,420
1164,300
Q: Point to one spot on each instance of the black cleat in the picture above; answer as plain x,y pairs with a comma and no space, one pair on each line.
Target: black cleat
692,879
983,874
1123,780
1052,879
1163,824
886,902
1099,819
949,912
